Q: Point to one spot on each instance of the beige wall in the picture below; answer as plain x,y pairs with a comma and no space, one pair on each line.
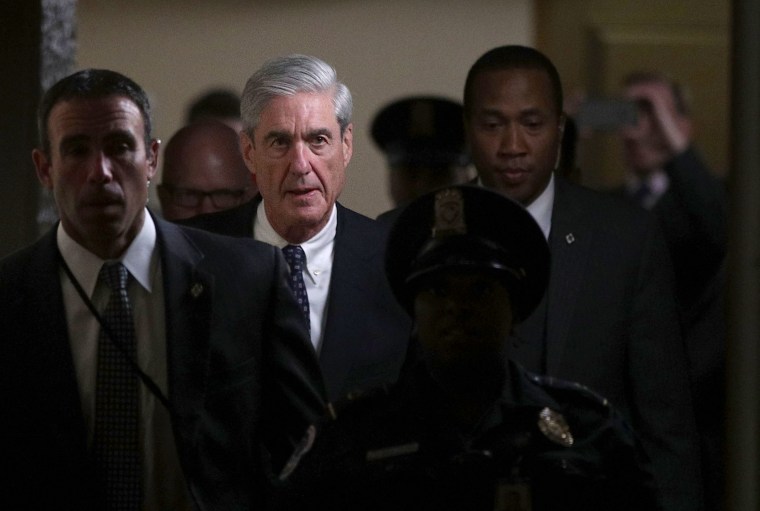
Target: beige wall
381,49
594,43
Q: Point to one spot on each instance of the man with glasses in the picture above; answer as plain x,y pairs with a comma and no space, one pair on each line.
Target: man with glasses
203,172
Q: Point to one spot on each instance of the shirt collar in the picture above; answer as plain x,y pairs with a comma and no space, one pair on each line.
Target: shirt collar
541,208
137,259
318,249
263,231
139,255
657,181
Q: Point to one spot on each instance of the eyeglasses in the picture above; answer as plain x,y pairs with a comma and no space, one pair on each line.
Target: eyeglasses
190,198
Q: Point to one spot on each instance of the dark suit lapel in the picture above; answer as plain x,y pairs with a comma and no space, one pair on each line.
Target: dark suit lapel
570,242
188,295
54,378
339,345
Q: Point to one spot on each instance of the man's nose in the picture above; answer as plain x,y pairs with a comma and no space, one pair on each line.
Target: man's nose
101,168
299,163
512,140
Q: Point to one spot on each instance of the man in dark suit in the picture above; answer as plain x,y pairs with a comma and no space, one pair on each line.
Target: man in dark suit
297,141
666,175
609,318
176,377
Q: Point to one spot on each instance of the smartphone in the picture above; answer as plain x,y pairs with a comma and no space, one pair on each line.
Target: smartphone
607,114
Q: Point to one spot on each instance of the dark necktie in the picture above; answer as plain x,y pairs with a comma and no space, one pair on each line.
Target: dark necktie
296,259
116,439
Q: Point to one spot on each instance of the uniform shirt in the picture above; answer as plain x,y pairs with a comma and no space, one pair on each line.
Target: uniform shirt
319,250
544,444
163,483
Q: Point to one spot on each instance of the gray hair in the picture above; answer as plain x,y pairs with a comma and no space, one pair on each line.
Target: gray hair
286,76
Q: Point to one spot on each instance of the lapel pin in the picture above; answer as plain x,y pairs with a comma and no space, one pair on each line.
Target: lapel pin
570,238
196,290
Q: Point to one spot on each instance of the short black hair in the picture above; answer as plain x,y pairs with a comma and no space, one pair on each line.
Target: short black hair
513,57
214,103
91,84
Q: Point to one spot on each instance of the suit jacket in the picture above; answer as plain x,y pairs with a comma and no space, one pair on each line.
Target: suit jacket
609,321
692,213
240,372
366,330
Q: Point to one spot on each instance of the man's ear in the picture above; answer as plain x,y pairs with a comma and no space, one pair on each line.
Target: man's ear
42,165
247,150
152,157
561,128
348,144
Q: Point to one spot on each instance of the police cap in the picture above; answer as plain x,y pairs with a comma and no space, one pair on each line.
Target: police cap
421,131
468,227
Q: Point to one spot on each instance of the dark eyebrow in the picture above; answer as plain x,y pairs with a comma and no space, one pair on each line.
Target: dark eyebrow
534,111
494,112
274,134
109,137
319,131
72,140
119,134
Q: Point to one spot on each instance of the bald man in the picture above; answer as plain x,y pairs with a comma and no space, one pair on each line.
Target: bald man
203,172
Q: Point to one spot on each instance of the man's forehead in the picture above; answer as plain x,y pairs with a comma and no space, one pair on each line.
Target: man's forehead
316,109
528,90
513,79
95,115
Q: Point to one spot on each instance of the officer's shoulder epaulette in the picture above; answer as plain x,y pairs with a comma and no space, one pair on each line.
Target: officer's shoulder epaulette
569,393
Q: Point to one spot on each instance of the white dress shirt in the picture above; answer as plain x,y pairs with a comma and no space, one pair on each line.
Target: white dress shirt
319,252
541,208
657,181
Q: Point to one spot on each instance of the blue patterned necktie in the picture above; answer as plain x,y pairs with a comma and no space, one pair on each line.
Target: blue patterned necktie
116,439
296,259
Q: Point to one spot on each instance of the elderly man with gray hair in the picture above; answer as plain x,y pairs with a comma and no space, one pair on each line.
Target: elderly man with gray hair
297,140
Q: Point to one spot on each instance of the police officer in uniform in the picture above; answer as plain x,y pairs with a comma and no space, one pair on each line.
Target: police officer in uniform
463,428
422,139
